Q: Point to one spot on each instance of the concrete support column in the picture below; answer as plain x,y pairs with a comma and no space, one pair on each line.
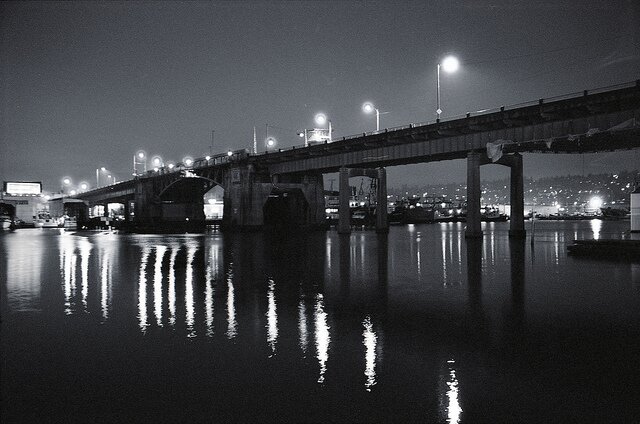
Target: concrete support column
344,213
516,224
382,222
474,226
127,210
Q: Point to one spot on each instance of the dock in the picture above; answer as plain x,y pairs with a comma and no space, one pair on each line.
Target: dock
607,248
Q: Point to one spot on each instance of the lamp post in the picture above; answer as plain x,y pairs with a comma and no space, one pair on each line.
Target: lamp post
321,119
449,65
66,182
187,161
270,142
369,108
139,159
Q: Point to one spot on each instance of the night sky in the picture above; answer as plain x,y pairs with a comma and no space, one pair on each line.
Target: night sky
87,84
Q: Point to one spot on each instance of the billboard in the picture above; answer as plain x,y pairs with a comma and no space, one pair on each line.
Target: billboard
22,188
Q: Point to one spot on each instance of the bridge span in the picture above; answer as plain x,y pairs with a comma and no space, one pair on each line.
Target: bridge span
289,183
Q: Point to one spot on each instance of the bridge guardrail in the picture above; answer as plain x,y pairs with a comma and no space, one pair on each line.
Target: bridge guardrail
480,112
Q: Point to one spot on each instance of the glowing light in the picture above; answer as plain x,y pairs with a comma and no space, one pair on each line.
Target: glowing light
322,337
170,165
595,202
450,64
188,161
66,180
229,153
156,161
188,293
320,119
272,318
271,142
370,341
232,324
140,155
454,410
368,107
157,284
302,326
207,157
84,186
73,192
142,292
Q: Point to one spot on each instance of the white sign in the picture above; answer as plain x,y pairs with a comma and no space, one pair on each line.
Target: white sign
21,189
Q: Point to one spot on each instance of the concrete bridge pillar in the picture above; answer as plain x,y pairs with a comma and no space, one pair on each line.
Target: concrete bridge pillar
344,213
382,221
474,225
516,223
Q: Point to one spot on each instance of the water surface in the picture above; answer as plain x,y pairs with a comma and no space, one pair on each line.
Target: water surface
419,325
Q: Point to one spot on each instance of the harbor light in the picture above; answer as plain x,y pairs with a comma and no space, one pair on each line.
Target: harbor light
170,165
157,162
84,186
140,155
188,161
271,141
66,181
595,202
320,119
229,153
207,157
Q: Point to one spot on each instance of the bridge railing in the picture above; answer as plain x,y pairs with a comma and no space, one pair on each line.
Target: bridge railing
475,113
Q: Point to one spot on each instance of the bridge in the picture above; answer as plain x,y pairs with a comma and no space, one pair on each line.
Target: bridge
286,186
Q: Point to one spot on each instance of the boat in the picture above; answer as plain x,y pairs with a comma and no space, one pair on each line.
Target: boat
493,215
45,220
411,211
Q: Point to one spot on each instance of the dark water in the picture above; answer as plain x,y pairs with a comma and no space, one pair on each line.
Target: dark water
416,326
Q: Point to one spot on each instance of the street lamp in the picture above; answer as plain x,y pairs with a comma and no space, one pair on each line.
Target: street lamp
369,108
84,186
157,162
139,159
449,64
187,161
270,142
321,119
66,182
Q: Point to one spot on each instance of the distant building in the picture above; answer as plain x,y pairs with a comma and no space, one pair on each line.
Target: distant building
22,200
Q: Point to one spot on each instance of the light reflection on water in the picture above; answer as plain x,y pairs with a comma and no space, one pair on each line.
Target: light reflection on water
332,307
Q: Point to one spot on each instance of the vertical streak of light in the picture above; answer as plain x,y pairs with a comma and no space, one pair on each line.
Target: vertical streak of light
493,248
272,318
208,299
104,286
302,325
232,325
157,284
444,259
85,252
557,248
73,264
172,286
454,408
66,253
188,294
460,252
322,337
370,341
142,292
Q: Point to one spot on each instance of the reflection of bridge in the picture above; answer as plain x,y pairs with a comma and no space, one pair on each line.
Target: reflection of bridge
286,187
